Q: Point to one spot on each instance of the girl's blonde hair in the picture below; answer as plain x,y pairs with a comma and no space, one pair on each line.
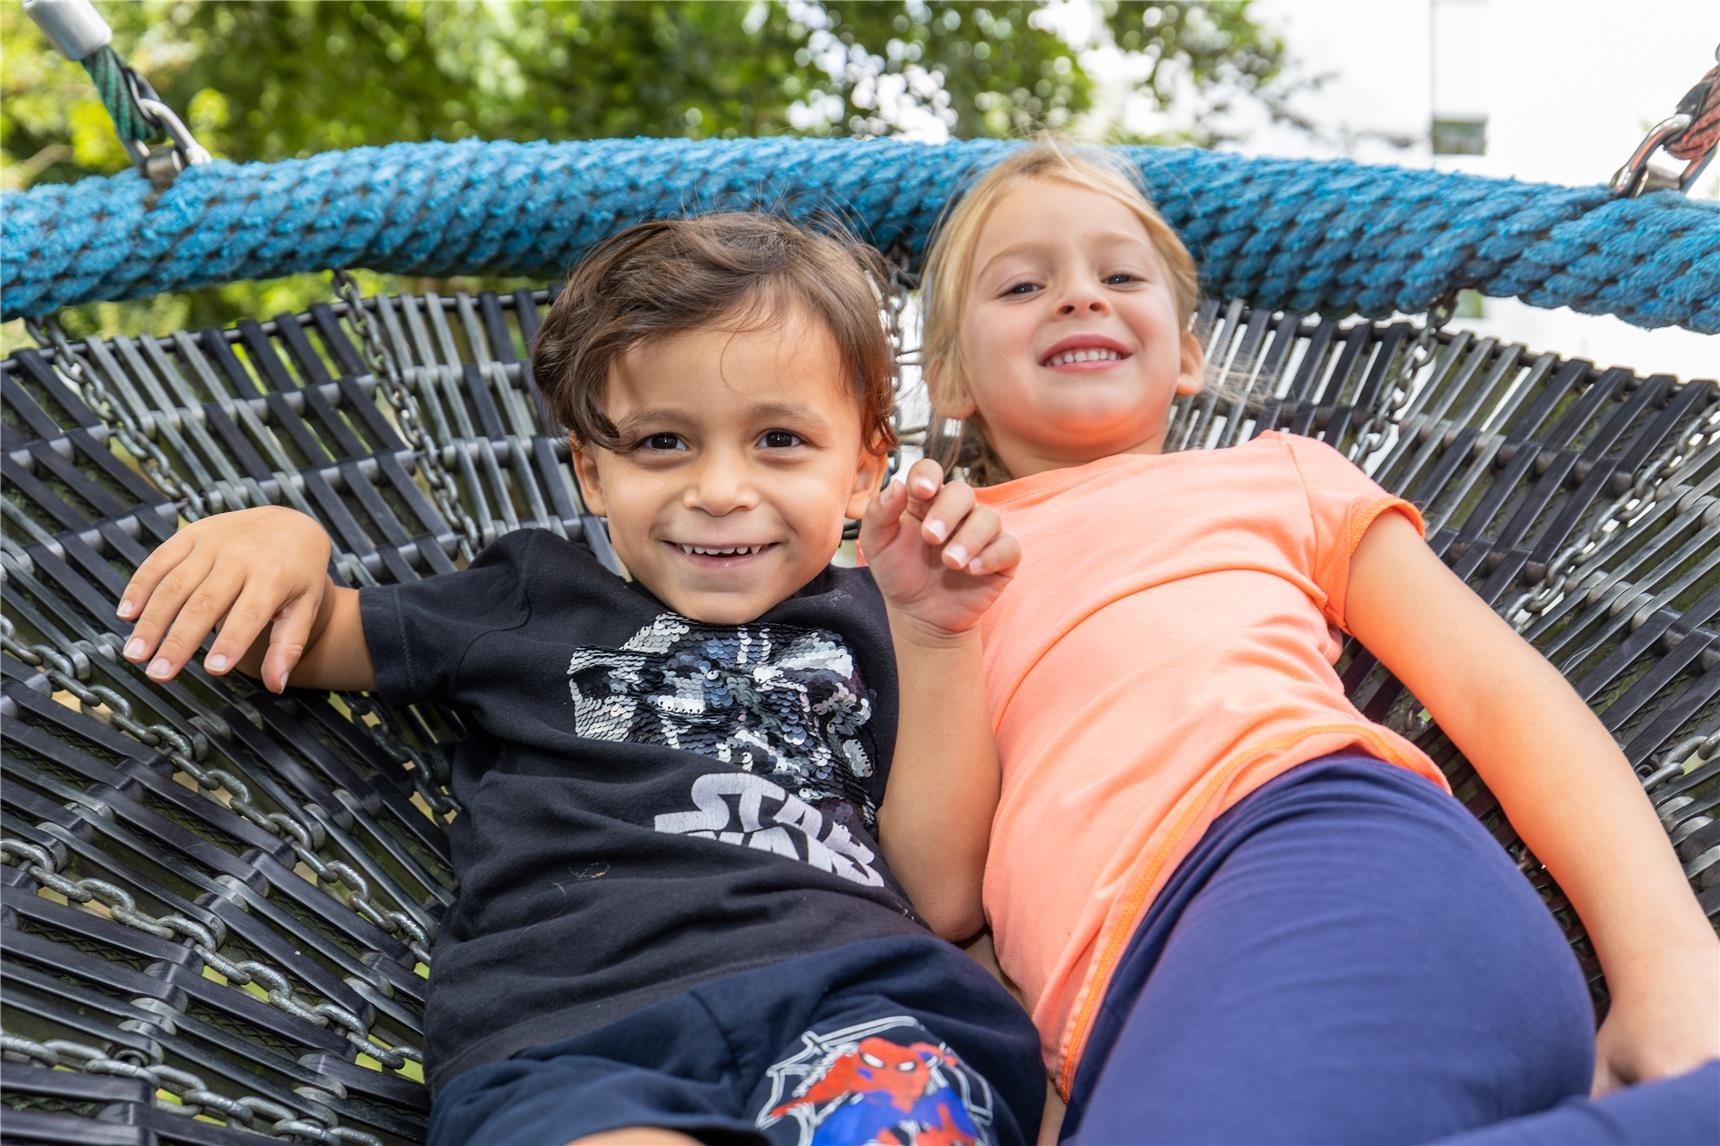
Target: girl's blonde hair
949,265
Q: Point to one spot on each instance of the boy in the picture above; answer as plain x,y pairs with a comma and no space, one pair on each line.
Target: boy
674,919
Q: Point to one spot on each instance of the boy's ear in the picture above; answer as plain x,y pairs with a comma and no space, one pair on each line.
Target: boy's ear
585,473
868,477
1191,368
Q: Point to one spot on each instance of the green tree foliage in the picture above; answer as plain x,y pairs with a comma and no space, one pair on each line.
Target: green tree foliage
267,81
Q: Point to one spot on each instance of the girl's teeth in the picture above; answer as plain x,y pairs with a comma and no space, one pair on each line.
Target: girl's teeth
747,550
1093,354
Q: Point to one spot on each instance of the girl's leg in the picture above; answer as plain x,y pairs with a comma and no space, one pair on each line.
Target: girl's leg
1680,1111
1347,957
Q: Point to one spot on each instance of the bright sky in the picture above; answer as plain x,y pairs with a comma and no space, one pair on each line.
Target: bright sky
1568,88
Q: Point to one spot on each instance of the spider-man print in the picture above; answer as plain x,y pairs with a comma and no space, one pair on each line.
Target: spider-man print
860,1085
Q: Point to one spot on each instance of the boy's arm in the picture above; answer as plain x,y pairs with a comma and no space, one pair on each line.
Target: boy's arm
940,561
1568,790
248,571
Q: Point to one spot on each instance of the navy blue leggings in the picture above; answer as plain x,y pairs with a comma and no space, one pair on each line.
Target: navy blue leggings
1348,956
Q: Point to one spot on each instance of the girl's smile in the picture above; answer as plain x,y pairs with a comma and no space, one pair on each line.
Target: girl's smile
1071,340
1085,352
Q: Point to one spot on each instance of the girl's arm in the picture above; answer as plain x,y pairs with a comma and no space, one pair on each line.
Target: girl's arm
940,561
1568,790
935,824
261,575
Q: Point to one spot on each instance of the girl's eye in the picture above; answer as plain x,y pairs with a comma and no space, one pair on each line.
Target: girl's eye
1021,289
662,442
1121,278
780,440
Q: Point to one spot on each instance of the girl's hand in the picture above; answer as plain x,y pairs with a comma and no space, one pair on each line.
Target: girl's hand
245,571
1665,1022
939,557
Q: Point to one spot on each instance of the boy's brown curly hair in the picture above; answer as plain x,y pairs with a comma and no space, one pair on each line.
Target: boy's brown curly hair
738,271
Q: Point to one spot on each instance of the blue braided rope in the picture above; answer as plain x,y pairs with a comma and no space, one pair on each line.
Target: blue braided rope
1328,236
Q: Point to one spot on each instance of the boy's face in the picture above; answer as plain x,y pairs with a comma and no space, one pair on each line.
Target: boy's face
740,456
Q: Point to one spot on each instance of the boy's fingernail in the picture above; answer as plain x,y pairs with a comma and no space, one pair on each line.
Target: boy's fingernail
217,662
159,669
925,488
283,682
975,566
956,556
125,608
937,529
134,648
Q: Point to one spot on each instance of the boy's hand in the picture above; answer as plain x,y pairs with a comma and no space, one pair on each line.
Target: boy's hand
244,571
939,557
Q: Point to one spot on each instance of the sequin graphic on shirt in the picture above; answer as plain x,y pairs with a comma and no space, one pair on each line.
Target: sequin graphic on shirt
784,705
884,1081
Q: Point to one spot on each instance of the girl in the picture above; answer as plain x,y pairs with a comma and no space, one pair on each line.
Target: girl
1239,911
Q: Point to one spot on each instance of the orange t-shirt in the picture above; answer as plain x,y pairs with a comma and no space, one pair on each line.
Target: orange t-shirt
1165,648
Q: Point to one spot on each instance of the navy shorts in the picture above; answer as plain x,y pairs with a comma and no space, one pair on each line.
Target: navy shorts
1346,956
890,1040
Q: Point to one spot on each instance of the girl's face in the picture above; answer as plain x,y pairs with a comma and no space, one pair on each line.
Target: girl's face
1070,333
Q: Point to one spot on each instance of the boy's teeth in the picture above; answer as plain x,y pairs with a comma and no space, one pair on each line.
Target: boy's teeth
1089,354
705,551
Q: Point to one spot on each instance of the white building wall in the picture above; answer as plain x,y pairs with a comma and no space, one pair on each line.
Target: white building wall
1568,90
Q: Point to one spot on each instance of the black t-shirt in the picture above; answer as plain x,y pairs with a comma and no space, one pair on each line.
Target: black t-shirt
648,802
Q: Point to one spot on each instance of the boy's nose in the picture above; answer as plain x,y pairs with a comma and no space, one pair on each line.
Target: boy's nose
722,486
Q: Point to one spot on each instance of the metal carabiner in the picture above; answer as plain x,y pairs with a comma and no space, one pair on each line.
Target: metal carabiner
163,165
1644,172
1641,173
79,31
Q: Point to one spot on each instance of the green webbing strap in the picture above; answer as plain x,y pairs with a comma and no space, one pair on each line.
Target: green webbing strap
79,31
139,117
119,88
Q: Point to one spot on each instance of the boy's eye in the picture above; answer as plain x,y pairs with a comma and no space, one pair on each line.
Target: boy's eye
661,442
780,439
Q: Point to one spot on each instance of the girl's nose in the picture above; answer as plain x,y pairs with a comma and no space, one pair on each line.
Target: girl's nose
1083,300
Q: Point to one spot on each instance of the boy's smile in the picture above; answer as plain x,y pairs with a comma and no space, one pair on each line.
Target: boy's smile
1071,341
740,456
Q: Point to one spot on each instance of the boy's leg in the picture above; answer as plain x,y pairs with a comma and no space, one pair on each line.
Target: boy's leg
905,1037
906,1040
665,1067
1347,957
636,1136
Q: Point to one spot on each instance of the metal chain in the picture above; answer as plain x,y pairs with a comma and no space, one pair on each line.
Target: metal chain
42,865
1675,811
136,438
256,1114
1394,399
1681,759
422,774
408,417
1564,571
70,669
